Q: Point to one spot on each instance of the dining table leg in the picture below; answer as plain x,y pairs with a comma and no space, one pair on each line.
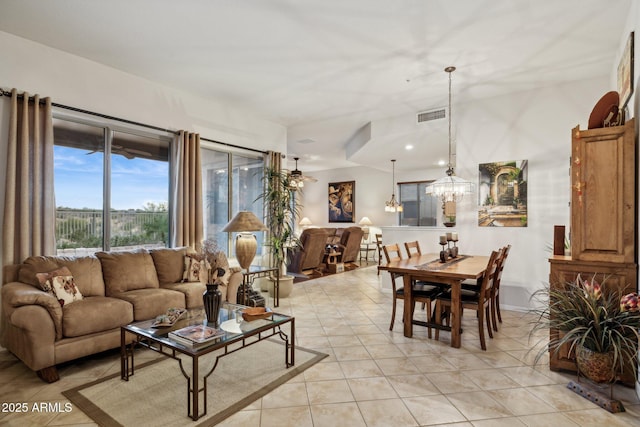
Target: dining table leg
407,311
456,315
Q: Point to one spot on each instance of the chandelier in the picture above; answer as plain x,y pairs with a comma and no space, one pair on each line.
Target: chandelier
392,205
450,188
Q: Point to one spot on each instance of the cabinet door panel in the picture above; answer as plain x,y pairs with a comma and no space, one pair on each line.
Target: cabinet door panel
603,196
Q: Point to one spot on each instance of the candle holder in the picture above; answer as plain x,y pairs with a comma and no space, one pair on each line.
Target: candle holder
454,250
444,253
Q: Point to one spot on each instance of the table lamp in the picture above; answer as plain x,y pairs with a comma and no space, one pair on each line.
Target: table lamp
246,243
305,222
365,222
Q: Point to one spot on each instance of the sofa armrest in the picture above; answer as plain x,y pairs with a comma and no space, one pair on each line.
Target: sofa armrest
17,294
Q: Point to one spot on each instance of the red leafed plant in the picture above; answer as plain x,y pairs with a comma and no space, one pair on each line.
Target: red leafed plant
590,315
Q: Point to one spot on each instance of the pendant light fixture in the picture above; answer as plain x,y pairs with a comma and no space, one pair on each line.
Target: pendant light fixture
450,188
393,205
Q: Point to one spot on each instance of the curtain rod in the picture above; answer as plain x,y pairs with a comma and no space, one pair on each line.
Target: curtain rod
131,122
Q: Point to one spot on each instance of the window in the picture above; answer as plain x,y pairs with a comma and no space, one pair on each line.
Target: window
227,193
420,209
116,201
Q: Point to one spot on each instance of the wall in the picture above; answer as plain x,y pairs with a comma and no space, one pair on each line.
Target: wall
373,188
534,126
78,82
632,24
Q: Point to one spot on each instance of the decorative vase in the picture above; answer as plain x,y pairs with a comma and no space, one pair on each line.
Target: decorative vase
598,367
212,299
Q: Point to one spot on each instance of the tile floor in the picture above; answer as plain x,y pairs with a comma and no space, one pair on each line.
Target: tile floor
372,377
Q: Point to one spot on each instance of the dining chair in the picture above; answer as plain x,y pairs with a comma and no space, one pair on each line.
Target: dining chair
495,295
379,247
421,292
480,300
413,248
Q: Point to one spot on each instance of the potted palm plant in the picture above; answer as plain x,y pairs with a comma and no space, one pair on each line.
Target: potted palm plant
283,212
599,324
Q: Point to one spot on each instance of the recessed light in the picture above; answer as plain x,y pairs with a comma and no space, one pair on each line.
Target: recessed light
408,147
306,141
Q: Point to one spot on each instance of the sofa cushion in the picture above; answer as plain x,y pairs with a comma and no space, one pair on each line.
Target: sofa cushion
192,292
149,303
34,265
169,264
86,271
126,271
333,235
95,314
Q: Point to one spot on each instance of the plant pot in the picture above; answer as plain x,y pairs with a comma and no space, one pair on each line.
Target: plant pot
598,367
286,286
262,283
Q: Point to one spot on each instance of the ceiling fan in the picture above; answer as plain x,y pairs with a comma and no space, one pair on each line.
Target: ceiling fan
297,179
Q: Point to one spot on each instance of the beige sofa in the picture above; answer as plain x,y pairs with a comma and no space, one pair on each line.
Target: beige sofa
117,288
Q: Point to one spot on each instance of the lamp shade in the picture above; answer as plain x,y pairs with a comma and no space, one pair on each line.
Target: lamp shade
245,221
365,221
305,221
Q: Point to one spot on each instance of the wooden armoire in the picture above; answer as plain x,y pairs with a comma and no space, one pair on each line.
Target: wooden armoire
603,216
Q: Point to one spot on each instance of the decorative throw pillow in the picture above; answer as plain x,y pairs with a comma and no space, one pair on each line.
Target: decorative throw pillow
60,284
44,279
195,270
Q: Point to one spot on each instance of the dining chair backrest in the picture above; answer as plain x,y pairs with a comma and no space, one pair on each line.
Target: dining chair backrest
379,240
490,274
413,248
503,258
392,252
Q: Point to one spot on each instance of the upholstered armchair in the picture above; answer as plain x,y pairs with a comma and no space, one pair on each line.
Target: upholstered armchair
350,243
309,254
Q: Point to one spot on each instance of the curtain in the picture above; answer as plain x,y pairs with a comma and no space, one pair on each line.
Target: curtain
187,221
29,206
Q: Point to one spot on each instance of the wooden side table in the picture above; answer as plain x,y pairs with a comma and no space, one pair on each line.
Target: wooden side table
333,261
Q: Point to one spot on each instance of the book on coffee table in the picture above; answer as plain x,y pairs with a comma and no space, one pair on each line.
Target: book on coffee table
196,335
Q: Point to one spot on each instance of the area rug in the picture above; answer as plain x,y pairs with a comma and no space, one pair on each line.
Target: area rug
157,394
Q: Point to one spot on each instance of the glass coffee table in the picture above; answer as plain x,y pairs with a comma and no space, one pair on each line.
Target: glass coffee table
239,334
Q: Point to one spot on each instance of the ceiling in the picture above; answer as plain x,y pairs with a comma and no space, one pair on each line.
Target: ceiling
327,68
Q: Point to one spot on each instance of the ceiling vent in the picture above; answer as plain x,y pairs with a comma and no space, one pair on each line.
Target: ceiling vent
431,115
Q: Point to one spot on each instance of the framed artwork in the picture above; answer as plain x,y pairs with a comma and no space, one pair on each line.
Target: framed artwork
625,73
502,194
342,206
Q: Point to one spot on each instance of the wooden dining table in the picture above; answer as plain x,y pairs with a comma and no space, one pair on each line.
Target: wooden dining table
428,268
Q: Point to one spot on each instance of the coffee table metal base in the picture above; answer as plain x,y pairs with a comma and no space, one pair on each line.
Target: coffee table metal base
194,388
